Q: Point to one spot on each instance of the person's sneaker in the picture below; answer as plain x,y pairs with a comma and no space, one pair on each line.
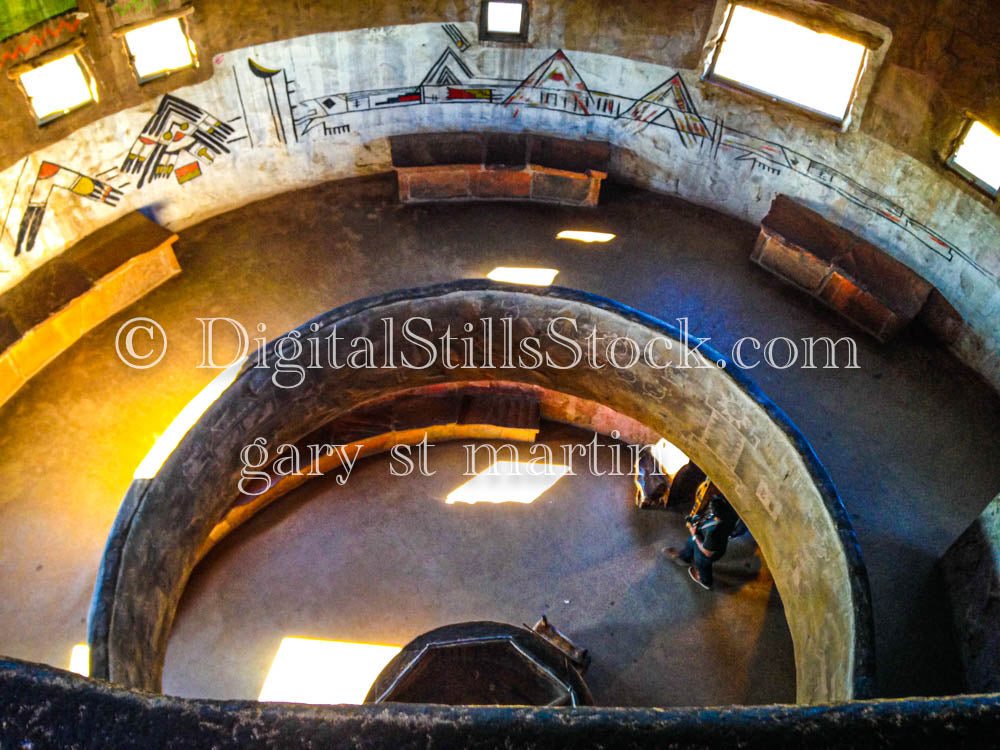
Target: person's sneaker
692,571
674,555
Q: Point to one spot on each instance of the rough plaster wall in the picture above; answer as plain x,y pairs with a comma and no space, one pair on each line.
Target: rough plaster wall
665,31
971,569
941,64
285,127
942,59
702,409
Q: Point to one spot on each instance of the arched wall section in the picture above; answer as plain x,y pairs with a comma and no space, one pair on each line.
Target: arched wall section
287,114
713,414
553,406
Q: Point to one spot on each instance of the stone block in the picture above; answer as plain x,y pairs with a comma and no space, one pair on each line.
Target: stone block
46,289
789,261
891,282
474,181
126,284
506,150
559,186
498,166
9,332
439,183
39,346
432,149
502,183
941,318
596,178
804,228
111,246
569,155
860,307
70,321
860,281
59,302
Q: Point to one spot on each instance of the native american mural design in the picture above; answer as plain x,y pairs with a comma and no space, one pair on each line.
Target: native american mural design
556,85
181,139
49,177
178,130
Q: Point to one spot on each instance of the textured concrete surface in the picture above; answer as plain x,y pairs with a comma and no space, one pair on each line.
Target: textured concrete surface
392,561
50,708
398,562
909,439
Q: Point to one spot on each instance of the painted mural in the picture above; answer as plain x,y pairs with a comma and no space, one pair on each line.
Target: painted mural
309,103
20,15
177,130
47,35
49,177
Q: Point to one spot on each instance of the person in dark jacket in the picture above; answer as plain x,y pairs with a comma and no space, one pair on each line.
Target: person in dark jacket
711,524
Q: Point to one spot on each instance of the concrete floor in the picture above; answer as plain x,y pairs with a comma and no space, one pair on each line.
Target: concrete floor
377,561
910,438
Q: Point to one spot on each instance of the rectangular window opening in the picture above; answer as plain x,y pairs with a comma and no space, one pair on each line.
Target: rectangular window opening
977,157
504,21
58,87
160,48
785,61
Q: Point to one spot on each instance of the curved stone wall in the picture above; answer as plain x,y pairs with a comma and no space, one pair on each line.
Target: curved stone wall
553,406
287,114
710,411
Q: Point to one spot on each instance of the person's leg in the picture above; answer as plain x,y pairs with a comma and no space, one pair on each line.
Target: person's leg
687,554
703,564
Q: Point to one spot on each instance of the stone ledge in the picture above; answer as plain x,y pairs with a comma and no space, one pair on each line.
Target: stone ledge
41,706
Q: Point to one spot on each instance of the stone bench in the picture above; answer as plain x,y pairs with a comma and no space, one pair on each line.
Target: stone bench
864,284
498,166
60,301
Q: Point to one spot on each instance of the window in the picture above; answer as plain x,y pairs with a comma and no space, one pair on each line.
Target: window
56,86
786,61
977,157
159,48
504,21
